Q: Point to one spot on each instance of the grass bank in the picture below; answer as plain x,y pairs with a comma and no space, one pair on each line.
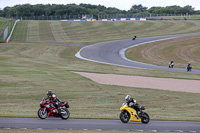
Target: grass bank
95,32
10,26
29,70
2,24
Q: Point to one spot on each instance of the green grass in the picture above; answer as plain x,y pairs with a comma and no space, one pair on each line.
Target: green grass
29,70
10,25
3,23
95,32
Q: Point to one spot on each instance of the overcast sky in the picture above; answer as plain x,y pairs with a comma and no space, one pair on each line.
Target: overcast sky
120,4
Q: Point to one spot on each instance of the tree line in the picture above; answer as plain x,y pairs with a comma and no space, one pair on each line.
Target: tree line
29,10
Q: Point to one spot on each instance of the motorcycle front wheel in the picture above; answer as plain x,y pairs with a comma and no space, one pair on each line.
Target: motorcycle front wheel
145,118
64,113
124,117
42,114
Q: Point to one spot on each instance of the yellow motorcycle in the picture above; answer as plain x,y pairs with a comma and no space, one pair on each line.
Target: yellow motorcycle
128,113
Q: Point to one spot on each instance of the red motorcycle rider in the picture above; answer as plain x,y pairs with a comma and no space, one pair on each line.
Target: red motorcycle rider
52,106
55,100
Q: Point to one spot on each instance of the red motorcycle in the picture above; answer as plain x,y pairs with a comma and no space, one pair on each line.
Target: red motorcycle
48,109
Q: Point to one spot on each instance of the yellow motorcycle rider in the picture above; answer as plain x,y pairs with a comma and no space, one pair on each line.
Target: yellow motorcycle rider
131,102
132,111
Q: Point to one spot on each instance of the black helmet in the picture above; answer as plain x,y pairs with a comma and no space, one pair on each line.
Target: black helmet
49,93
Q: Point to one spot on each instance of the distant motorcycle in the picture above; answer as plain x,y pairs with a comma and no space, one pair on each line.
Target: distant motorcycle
48,109
189,68
134,37
171,65
128,113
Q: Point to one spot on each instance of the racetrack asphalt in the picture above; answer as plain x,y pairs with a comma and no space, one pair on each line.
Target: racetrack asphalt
98,124
113,53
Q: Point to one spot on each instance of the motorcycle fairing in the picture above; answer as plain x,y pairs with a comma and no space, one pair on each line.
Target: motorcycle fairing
132,112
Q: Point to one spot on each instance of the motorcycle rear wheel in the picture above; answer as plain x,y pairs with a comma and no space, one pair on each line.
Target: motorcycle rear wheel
42,114
124,117
145,118
64,113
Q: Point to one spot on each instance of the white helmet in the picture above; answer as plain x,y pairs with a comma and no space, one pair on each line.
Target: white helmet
127,98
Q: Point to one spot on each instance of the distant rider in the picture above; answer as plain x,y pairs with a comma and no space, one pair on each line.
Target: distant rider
171,64
134,37
53,99
189,66
131,102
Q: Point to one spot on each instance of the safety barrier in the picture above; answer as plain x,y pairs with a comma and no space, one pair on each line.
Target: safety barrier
117,19
124,19
79,20
12,31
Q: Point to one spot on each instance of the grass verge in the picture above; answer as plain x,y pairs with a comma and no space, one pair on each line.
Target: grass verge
95,32
2,24
29,70
10,26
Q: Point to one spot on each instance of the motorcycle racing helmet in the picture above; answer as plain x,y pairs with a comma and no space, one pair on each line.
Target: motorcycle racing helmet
49,93
127,98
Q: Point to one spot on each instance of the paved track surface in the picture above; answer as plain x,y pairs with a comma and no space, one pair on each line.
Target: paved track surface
98,124
113,52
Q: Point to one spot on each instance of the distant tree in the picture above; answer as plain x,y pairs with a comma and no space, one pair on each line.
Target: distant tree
154,9
39,10
160,10
112,10
197,12
88,6
172,9
73,9
94,12
188,9
139,8
101,8
48,10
